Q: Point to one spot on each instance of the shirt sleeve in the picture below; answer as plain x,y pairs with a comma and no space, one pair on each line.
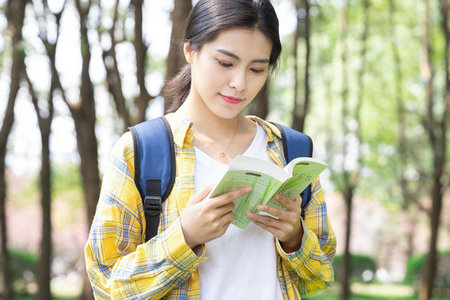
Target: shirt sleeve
310,268
119,264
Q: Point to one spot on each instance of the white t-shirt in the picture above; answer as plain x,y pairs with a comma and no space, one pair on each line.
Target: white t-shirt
242,263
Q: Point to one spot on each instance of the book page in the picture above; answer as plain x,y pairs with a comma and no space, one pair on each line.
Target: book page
246,163
304,172
266,179
295,166
263,185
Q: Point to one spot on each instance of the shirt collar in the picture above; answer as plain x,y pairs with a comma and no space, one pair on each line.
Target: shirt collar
271,129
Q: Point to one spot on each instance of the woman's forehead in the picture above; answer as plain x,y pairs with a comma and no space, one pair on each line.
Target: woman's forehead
243,43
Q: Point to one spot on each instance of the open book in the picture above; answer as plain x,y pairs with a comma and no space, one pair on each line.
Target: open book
267,179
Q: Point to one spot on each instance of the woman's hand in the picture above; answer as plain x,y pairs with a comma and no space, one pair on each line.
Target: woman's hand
285,225
205,220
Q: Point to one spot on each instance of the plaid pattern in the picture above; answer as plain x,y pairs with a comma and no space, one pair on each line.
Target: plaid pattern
121,266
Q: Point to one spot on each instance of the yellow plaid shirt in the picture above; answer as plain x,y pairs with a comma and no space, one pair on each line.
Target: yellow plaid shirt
121,265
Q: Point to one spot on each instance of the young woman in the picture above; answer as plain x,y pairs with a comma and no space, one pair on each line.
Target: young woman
230,47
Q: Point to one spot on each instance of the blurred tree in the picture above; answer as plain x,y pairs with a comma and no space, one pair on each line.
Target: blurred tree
44,121
136,114
175,58
15,13
84,116
347,190
300,110
260,105
435,124
44,112
140,49
109,55
348,178
409,196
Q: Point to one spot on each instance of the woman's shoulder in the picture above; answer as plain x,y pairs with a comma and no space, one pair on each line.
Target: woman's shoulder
124,146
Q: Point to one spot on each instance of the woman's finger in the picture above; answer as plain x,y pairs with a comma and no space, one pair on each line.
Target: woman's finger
289,204
229,197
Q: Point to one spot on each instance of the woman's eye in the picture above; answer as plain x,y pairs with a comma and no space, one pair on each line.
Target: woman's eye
224,64
256,70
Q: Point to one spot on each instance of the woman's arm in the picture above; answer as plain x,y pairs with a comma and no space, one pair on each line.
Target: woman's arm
310,268
118,263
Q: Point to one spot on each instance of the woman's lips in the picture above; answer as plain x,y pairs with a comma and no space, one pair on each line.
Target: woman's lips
231,100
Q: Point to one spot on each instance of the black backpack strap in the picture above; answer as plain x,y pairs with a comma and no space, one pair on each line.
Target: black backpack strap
296,144
154,157
152,207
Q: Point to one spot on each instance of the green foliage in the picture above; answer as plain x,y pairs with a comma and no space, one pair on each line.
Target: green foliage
66,177
66,185
358,264
24,267
22,262
416,269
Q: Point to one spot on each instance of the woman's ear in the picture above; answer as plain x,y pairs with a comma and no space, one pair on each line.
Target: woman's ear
188,52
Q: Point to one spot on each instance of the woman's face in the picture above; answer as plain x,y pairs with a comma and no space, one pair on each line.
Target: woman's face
229,71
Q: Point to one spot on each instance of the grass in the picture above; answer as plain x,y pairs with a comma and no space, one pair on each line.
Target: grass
373,291
360,291
31,297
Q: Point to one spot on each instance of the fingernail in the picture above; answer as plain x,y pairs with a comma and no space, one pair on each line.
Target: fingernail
248,189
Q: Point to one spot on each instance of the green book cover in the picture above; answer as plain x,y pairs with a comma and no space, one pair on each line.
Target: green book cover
267,179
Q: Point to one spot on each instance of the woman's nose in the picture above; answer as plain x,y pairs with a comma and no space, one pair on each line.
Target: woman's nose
238,80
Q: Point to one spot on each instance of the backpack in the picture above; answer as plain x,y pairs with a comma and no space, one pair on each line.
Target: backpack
154,160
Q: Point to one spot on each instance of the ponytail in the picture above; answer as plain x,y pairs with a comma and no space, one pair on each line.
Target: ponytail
177,89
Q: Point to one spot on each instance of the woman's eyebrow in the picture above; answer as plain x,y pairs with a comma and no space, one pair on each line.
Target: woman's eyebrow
228,53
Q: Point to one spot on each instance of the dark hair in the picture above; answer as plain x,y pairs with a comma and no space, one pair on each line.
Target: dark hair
207,19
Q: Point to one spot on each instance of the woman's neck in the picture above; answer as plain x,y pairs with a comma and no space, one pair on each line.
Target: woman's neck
222,139
207,124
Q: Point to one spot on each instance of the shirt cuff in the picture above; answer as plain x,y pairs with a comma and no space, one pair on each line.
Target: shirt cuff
305,250
178,252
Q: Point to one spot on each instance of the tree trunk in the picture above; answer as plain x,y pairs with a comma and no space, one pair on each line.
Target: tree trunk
45,119
346,259
175,58
345,285
84,117
303,26
350,179
260,105
426,288
436,130
113,78
44,123
408,197
44,278
15,14
140,48
307,63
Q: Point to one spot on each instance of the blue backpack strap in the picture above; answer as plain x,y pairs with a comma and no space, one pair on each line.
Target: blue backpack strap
154,161
297,144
